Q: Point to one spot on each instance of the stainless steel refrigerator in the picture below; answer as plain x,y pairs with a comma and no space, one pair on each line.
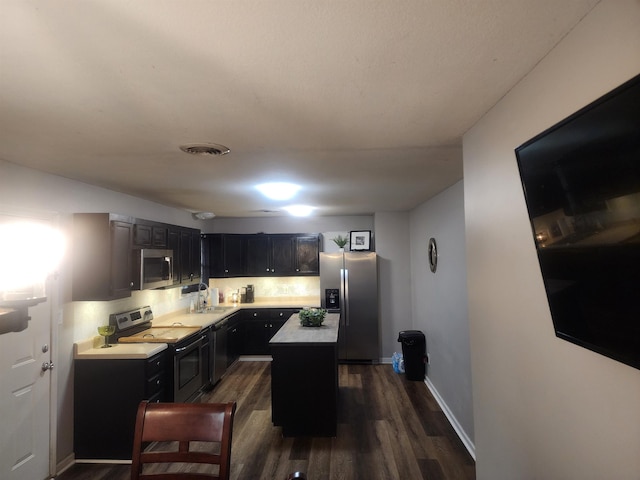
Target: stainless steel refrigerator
349,284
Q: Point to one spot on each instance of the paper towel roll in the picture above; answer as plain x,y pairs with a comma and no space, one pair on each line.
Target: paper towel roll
213,296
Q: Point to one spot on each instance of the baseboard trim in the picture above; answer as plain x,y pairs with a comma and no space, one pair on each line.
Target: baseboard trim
464,438
65,464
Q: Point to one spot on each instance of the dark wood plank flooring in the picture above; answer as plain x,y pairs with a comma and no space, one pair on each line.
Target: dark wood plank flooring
388,428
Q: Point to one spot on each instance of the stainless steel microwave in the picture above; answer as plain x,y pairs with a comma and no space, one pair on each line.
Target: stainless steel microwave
153,268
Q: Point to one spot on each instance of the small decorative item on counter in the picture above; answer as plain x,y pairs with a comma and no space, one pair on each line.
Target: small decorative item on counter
312,317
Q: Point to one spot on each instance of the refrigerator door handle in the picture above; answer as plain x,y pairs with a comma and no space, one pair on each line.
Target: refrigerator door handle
345,289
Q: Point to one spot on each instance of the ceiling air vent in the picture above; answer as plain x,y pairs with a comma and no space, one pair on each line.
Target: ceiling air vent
205,149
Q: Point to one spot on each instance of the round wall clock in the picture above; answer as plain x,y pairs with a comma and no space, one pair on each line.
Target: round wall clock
433,255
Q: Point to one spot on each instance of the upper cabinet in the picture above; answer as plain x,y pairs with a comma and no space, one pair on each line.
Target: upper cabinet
102,256
103,252
149,235
260,255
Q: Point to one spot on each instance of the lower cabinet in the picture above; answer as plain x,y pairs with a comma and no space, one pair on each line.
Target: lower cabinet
304,389
106,398
258,326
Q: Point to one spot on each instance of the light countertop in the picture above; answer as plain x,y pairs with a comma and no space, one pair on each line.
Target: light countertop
90,348
294,333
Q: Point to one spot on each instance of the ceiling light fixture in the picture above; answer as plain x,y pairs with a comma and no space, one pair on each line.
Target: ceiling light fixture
299,210
205,149
203,215
278,190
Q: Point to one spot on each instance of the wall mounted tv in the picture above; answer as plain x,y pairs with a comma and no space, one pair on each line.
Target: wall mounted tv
581,181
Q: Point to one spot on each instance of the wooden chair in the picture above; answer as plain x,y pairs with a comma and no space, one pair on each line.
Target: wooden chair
182,423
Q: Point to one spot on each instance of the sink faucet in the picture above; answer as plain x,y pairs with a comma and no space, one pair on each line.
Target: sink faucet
202,302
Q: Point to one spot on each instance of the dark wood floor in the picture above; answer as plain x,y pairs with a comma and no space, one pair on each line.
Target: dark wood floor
388,428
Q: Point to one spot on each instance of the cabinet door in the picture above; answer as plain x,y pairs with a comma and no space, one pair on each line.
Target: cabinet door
282,255
189,256
234,341
159,236
173,243
213,255
102,257
256,323
257,256
142,236
194,256
234,255
307,255
147,235
121,282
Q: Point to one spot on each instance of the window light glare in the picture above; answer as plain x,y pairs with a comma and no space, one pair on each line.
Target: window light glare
278,190
299,210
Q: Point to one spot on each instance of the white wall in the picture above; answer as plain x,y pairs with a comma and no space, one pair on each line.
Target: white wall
288,224
544,408
24,191
440,304
394,279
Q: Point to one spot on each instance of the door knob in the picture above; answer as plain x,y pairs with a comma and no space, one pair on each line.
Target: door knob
47,366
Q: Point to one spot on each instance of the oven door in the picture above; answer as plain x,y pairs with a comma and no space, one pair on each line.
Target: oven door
188,369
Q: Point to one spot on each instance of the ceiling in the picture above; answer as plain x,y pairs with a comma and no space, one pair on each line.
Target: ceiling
363,103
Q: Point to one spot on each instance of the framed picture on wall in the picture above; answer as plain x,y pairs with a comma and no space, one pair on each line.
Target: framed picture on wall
360,240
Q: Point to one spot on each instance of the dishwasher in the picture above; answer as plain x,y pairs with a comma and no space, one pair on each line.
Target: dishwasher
219,350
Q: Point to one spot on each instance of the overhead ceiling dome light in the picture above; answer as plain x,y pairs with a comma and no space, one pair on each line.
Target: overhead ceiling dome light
299,210
205,149
203,215
278,190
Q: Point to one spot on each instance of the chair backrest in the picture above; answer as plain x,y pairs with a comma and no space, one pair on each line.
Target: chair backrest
181,424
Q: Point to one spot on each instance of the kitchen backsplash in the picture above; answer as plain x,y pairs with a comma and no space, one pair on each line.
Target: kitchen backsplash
269,287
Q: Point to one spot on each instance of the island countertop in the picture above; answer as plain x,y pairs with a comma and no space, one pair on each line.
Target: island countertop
293,333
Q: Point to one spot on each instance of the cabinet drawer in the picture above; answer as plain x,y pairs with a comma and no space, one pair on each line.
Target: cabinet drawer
155,364
157,397
155,385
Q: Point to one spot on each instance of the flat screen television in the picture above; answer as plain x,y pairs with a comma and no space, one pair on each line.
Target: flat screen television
581,182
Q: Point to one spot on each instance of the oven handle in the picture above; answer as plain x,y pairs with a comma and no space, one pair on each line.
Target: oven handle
182,349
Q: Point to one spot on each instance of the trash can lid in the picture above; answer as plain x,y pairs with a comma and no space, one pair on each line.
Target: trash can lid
410,334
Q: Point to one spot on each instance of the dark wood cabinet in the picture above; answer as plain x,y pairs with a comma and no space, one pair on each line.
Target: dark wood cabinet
102,256
106,397
149,235
234,337
223,255
304,380
258,326
307,254
282,254
189,256
103,245
259,255
185,243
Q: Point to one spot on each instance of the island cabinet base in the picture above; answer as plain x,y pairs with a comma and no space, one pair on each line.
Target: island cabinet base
304,389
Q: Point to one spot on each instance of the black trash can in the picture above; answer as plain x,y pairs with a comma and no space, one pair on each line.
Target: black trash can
414,351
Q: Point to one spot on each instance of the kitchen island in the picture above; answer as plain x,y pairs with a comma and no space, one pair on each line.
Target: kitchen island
304,378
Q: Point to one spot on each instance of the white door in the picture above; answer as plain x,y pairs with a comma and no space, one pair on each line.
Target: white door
25,396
